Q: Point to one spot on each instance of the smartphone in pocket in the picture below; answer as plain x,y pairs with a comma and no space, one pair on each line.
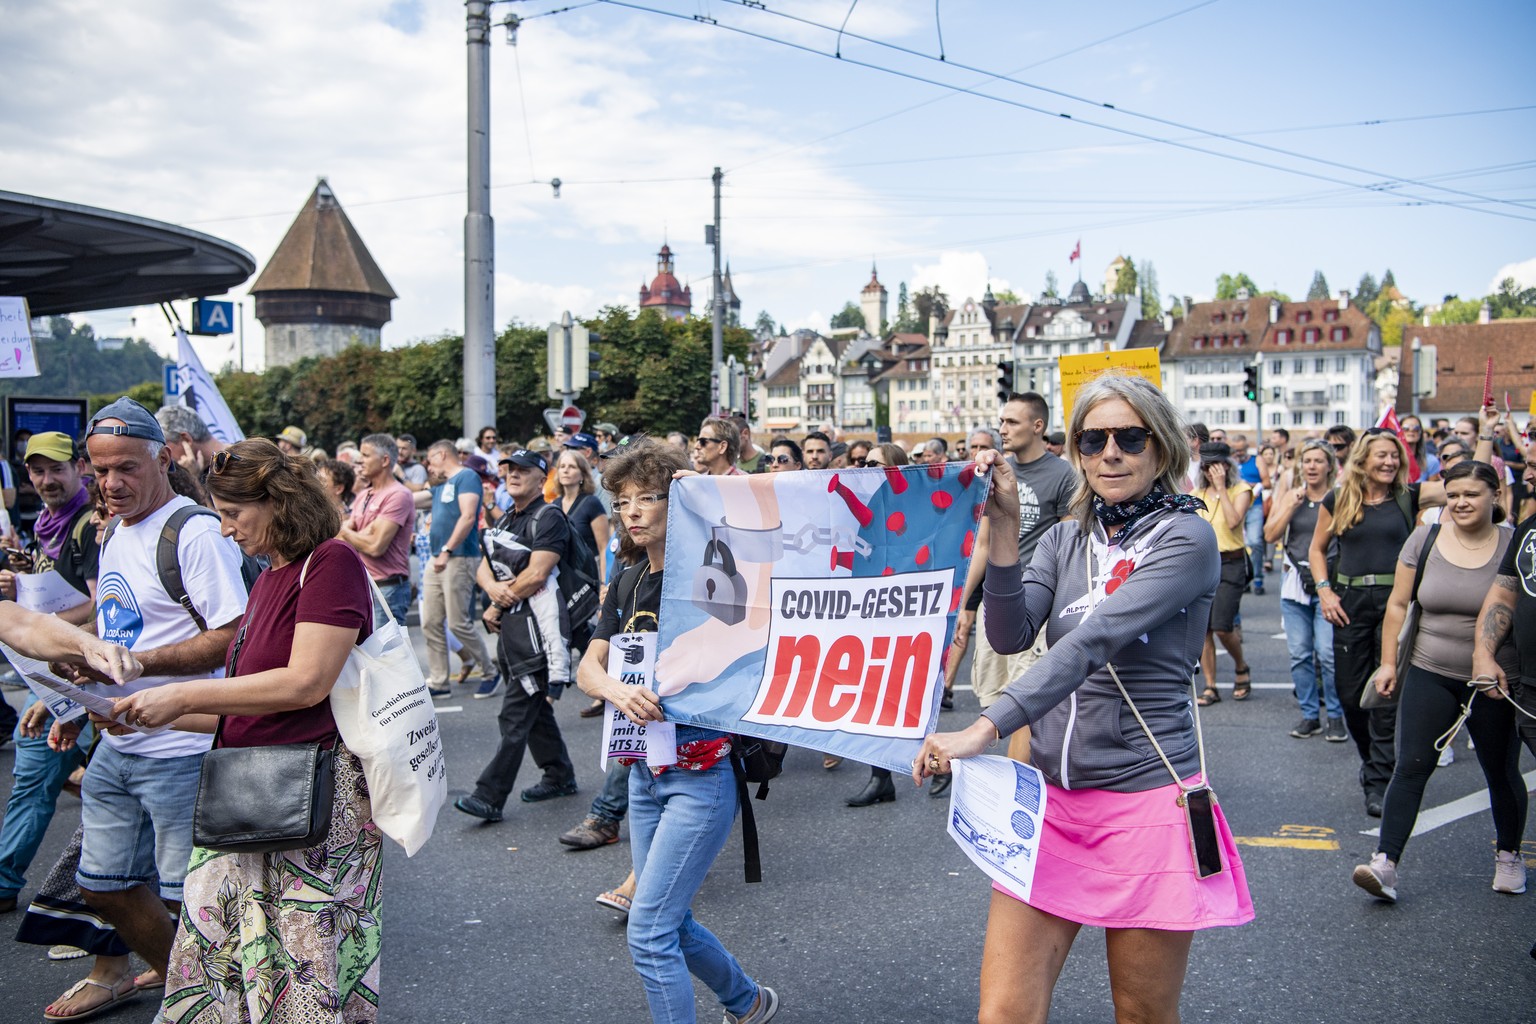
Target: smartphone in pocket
1200,813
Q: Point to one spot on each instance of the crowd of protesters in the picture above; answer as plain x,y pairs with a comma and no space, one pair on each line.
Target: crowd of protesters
1355,532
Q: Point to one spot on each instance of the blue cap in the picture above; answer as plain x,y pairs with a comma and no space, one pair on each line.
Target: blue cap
137,421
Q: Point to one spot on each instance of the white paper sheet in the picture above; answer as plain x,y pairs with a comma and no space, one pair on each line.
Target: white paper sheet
46,592
632,660
996,808
36,674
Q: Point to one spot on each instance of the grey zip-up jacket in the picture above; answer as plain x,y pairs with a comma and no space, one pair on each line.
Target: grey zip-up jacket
1148,613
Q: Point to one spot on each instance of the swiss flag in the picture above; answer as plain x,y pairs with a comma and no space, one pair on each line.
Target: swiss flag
1077,252
1389,422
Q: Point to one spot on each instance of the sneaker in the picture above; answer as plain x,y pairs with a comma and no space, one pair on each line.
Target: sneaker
762,1011
494,687
1508,873
1307,728
547,790
1379,878
591,833
1447,756
1335,731
477,808
438,692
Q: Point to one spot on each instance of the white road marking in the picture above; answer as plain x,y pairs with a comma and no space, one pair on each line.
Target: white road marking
1466,806
449,709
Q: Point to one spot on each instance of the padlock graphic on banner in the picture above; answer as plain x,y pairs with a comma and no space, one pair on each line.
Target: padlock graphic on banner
718,588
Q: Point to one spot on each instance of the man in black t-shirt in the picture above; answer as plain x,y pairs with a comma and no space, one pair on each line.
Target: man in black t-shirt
1511,605
522,553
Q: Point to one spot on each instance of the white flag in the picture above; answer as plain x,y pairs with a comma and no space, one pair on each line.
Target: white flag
199,393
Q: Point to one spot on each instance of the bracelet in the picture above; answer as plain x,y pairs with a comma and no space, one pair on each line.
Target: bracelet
1485,437
1322,585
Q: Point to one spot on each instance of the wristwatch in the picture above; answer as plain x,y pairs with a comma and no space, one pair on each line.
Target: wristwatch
1322,585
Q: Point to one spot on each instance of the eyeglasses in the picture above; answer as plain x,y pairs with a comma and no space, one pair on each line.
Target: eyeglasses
222,460
643,502
782,460
1130,440
701,441
1416,430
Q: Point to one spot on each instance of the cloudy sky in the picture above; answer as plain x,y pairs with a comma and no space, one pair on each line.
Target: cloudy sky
1213,136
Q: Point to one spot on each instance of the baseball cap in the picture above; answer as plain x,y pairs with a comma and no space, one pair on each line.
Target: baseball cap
606,428
293,435
539,444
52,444
527,459
581,441
137,421
479,465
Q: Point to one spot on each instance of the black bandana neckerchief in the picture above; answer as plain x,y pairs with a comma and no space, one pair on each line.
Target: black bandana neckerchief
1129,513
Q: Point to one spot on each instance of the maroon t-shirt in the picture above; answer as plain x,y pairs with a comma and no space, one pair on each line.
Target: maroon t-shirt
335,593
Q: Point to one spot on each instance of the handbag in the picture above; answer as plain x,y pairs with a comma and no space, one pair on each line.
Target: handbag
1370,697
262,799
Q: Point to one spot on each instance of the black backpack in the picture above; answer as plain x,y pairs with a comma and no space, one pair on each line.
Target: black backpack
168,565
577,583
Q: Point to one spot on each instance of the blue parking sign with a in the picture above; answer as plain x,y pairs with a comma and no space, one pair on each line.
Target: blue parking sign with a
172,385
211,317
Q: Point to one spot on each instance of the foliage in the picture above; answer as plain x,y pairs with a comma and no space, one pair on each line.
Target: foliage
71,365
765,323
849,316
929,302
1051,286
1456,310
1227,285
1318,289
1367,290
1125,278
1151,301
906,318
1511,300
1007,297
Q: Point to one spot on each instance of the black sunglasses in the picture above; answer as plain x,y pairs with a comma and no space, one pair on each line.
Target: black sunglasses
782,460
1130,440
222,460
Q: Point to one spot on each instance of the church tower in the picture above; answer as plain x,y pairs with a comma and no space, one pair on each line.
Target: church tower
321,290
872,304
672,300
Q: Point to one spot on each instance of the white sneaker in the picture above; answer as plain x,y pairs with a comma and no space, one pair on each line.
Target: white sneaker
1447,756
1379,877
1508,873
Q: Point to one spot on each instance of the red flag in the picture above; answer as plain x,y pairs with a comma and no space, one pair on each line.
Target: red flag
1388,421
1077,253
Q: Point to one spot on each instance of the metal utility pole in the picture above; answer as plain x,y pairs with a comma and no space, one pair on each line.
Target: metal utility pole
717,333
479,266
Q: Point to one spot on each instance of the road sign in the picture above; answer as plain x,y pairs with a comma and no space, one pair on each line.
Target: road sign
210,317
172,385
561,419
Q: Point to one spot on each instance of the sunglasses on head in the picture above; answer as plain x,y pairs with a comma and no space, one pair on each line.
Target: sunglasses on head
222,460
1130,440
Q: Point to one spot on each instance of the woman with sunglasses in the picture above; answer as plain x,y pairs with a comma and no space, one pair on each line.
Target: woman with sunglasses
1418,446
784,456
1226,500
1460,558
1367,520
1123,588
316,954
1308,636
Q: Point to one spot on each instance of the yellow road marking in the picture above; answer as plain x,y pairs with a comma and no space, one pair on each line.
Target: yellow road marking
1289,842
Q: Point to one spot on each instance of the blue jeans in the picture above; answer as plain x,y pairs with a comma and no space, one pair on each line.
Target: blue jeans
398,597
1309,638
40,775
137,814
1253,536
613,802
678,823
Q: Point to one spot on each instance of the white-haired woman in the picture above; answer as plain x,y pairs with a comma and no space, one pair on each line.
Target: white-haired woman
1123,589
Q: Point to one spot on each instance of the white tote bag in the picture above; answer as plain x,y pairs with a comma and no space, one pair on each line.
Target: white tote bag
385,716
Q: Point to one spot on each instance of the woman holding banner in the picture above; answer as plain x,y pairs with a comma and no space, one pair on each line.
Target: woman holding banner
681,815
1132,839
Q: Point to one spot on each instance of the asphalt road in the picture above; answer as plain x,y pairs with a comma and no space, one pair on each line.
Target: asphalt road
874,915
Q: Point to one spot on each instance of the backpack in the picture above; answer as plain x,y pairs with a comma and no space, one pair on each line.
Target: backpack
577,582
168,565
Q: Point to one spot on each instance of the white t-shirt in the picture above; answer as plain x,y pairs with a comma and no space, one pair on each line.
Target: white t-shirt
133,609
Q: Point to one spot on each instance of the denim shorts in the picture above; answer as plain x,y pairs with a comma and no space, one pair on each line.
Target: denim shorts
137,814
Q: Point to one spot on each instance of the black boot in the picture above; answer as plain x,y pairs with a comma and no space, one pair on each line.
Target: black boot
940,786
880,789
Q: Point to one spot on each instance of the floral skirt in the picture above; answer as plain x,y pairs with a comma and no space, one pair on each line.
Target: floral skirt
285,937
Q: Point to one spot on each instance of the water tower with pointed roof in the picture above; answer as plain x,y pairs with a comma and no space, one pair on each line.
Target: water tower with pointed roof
321,290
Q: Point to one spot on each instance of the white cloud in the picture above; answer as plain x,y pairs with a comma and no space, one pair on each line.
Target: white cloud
1523,272
961,276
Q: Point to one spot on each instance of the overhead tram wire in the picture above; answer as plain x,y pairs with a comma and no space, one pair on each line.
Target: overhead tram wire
944,96
1062,94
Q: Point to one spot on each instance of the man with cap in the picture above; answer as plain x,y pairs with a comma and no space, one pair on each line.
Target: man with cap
607,435
521,553
291,440
448,580
140,788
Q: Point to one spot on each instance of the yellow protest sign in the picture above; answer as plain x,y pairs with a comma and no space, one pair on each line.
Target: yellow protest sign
1079,370
1533,404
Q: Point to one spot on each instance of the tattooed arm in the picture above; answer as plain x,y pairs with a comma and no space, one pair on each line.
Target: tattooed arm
1494,624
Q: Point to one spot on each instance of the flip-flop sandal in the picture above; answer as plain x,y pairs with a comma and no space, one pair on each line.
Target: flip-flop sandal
114,998
615,901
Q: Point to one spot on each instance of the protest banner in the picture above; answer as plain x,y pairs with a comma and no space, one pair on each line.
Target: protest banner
1080,369
815,608
199,393
632,661
17,356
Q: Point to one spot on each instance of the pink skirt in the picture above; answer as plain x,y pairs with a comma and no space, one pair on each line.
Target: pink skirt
1123,860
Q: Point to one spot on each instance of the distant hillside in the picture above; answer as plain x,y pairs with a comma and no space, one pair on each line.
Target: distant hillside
73,366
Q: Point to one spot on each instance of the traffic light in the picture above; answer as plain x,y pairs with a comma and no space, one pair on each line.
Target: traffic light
1004,379
1251,382
593,357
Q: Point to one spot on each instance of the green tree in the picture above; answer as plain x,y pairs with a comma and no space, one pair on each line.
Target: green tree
929,302
1151,301
1007,297
906,319
70,363
1388,282
1367,290
1511,300
1125,278
1456,310
849,316
1318,289
1227,285
765,323
1051,286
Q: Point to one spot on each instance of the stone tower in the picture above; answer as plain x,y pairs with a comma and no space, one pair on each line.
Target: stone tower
321,290
872,304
